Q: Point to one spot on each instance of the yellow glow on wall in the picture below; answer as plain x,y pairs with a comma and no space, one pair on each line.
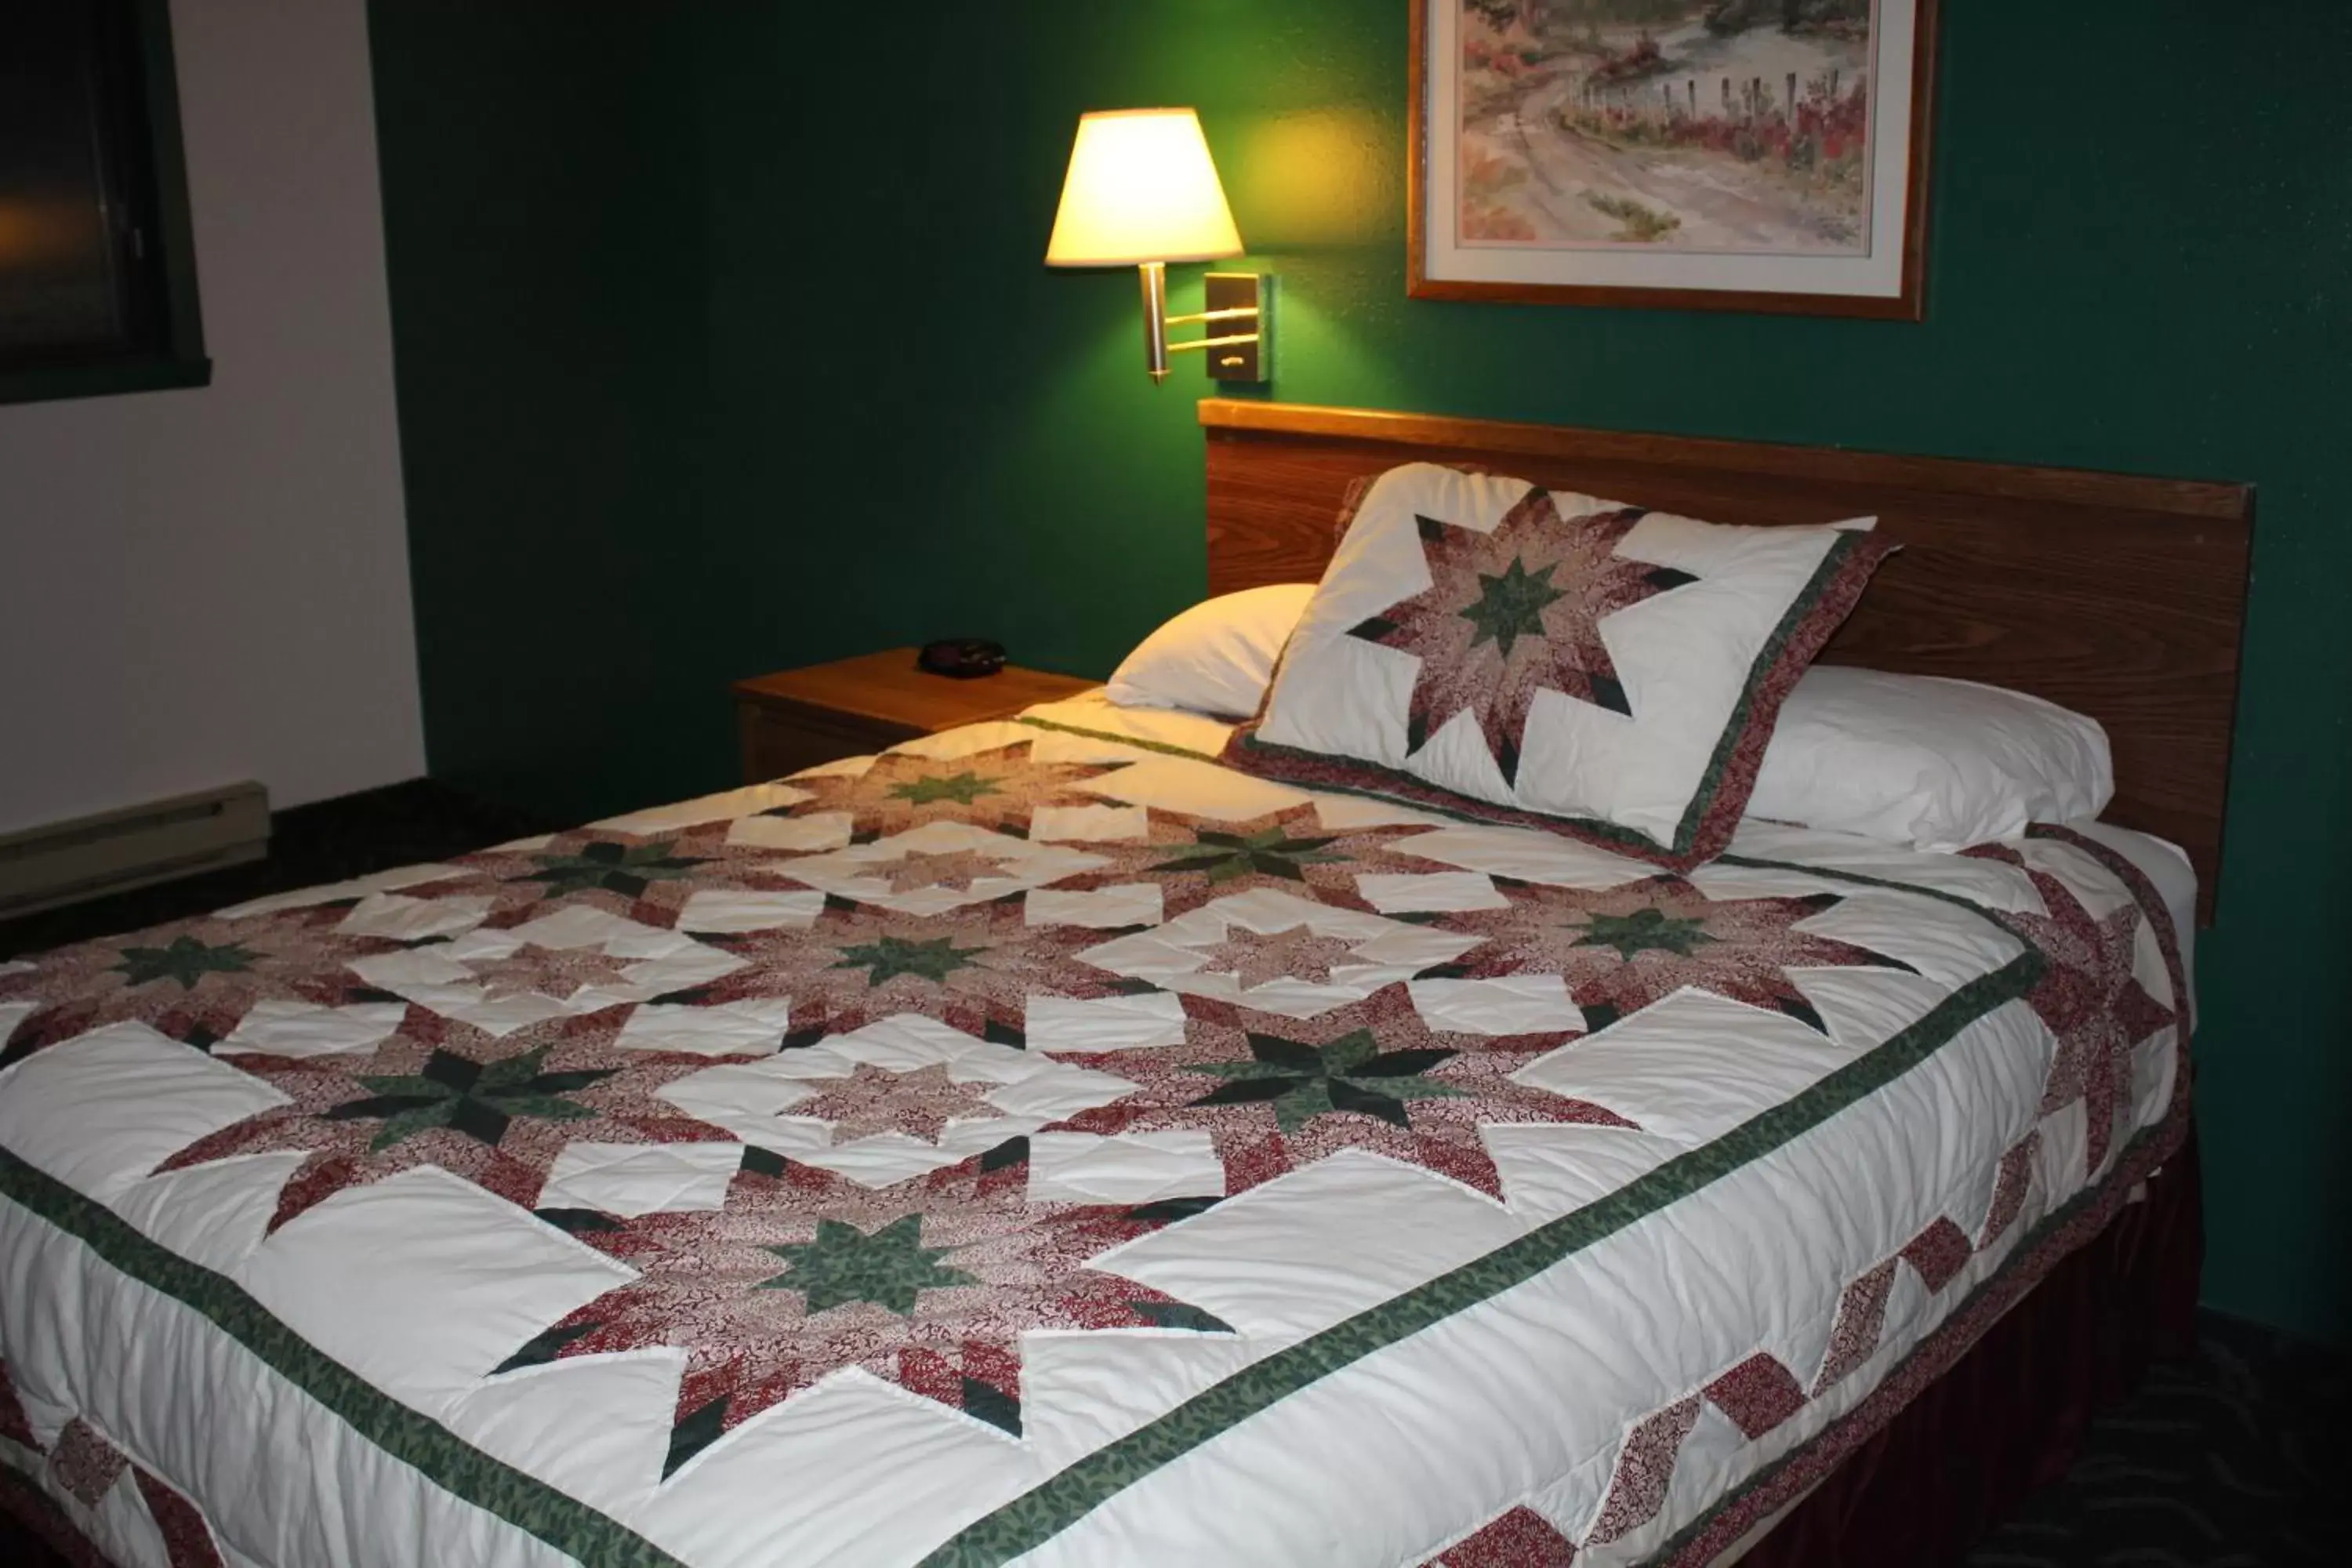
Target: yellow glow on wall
1318,176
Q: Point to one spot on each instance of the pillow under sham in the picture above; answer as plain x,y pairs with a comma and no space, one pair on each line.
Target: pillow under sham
1484,645
1924,761
1933,763
1215,657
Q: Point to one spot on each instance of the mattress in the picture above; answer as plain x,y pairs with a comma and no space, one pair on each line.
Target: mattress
1042,1144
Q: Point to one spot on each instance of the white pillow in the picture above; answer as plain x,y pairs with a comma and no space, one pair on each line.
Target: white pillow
1905,759
1936,764
1217,657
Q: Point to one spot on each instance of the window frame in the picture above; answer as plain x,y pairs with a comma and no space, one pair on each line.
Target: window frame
173,356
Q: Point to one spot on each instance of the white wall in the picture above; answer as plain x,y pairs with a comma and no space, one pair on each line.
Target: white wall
207,586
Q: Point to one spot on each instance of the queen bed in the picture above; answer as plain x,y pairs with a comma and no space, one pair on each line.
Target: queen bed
1052,1143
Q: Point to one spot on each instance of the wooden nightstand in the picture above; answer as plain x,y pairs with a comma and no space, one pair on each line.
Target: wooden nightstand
796,718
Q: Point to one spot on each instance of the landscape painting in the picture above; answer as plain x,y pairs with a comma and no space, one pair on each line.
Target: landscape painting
1736,147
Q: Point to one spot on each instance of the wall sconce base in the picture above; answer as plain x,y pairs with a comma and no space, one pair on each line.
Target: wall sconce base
1233,312
1244,360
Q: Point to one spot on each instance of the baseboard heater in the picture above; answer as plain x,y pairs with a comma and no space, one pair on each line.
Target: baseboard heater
65,862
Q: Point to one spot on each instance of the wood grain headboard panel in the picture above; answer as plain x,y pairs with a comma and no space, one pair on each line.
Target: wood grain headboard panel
2119,596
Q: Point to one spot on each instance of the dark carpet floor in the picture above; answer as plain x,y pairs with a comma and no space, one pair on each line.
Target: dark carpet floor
2236,1457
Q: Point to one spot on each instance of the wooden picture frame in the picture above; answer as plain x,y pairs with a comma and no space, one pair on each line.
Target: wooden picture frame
1501,266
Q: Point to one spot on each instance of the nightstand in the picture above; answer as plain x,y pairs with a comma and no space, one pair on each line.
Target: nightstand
796,718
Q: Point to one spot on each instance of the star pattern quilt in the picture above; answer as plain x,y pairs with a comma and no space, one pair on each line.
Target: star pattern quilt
1043,1143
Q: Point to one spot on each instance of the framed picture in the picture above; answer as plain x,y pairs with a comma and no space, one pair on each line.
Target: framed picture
1708,154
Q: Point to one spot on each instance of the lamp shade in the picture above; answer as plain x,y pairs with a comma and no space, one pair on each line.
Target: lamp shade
1141,187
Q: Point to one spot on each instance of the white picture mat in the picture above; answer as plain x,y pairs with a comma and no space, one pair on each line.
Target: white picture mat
1877,275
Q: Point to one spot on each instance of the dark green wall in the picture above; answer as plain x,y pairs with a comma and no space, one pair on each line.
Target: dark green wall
2142,260
545,231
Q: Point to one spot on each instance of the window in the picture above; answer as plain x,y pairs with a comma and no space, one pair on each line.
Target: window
97,285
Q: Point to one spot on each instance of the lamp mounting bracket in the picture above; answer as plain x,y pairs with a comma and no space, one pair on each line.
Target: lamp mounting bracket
1234,311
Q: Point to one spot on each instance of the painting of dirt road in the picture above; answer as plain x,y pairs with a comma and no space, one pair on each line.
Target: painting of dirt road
1722,127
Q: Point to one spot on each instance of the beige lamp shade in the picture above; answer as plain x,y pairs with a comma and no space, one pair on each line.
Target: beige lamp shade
1141,187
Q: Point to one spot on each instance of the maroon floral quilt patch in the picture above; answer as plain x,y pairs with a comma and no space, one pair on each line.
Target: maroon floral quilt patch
1515,612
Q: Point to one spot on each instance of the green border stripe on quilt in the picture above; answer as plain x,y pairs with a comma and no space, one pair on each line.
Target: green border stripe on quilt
447,1460
1865,880
1052,1506
1169,748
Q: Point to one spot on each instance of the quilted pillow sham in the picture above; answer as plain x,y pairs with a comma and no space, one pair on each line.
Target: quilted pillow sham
1484,645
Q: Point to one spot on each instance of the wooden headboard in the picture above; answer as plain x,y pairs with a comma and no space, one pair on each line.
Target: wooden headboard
2115,595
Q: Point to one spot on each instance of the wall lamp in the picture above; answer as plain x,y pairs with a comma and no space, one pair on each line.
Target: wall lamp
1142,192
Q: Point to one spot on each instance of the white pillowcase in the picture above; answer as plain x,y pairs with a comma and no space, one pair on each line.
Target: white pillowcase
1937,764
1217,657
1905,759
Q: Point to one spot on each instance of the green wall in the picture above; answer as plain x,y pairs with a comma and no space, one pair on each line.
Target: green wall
906,427
545,233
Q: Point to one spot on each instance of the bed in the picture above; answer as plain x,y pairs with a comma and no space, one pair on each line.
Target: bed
1043,1143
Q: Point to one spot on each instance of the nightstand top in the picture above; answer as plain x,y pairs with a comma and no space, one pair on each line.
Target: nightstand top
887,686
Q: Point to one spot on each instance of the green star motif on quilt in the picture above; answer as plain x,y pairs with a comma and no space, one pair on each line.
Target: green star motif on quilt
890,1268
1511,606
888,958
1270,852
186,961
963,788
1350,1074
617,867
1644,930
480,1099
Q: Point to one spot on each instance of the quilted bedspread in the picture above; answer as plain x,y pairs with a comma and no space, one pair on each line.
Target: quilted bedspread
1038,1144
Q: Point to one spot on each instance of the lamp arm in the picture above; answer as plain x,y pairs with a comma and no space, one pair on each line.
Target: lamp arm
1237,339
1238,313
1153,277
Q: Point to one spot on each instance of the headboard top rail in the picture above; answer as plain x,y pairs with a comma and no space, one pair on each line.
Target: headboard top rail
2119,596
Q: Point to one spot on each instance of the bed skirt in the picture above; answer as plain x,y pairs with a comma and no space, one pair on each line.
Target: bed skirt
2010,1415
